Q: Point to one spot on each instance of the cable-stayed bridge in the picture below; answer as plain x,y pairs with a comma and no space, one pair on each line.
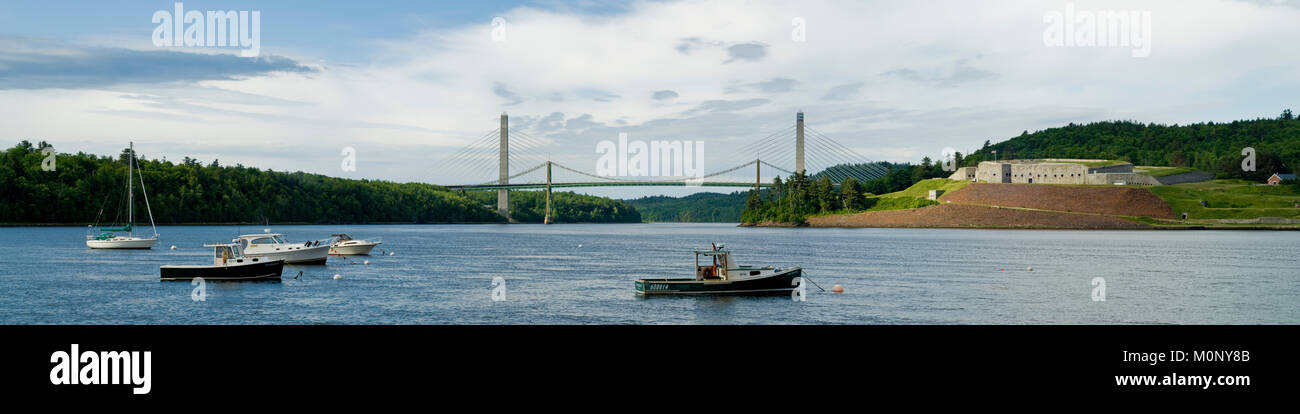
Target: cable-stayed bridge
797,148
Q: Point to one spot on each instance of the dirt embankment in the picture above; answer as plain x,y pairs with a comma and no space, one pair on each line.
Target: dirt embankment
1122,201
957,215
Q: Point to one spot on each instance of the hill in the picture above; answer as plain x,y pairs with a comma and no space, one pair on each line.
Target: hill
697,208
1109,200
1212,147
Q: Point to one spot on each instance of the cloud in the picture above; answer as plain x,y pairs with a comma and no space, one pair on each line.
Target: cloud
776,85
510,97
843,92
752,52
747,51
597,95
691,44
99,67
960,73
664,94
722,105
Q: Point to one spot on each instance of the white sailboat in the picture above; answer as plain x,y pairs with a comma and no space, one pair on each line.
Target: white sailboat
106,238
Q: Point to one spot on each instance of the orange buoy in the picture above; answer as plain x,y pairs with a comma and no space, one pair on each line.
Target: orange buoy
837,289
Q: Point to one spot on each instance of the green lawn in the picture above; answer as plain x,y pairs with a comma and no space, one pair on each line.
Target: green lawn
1231,199
922,188
1095,164
1163,171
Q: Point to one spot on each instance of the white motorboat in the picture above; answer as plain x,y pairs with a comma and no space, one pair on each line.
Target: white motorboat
273,246
345,245
106,238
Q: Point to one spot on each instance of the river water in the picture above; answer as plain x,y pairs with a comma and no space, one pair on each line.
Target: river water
583,274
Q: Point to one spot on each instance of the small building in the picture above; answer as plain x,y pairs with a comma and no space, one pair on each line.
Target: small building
934,194
1276,179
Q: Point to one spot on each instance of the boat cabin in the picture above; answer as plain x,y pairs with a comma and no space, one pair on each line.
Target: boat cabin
341,236
256,239
228,254
714,266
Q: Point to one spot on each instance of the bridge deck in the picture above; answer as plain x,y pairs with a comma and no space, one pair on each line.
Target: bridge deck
605,184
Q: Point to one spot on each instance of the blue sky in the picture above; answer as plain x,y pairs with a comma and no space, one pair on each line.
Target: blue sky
407,83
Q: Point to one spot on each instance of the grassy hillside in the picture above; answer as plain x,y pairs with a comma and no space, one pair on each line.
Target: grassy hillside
1163,171
1231,199
922,188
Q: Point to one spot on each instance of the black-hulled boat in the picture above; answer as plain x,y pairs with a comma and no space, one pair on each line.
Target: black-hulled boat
720,276
228,264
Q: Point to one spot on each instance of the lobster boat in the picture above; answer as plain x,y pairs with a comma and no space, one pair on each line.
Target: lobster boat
228,264
717,274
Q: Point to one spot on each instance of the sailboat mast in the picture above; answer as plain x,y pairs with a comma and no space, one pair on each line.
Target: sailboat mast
130,190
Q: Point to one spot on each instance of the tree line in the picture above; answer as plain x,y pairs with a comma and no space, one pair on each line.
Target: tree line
83,185
568,207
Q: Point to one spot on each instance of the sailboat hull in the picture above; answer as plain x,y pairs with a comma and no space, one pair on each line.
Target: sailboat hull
122,243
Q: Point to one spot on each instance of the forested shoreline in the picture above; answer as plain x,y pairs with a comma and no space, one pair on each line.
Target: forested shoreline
81,186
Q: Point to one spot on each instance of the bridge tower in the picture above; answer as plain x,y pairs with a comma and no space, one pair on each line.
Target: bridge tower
798,143
503,195
547,219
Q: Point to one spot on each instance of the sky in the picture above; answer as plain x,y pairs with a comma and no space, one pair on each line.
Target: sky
405,84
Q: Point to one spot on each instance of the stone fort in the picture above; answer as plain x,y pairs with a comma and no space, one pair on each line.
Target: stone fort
1052,171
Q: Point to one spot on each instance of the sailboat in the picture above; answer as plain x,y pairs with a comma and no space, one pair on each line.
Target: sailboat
106,238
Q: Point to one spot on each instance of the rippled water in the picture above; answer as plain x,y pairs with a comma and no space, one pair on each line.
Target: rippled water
582,274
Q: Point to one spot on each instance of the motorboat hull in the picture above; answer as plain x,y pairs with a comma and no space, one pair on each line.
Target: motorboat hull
122,243
778,283
254,270
293,255
355,249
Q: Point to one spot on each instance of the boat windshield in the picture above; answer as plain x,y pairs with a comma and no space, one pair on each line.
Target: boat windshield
268,240
223,252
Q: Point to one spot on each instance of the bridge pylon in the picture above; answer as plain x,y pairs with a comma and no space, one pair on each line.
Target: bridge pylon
503,195
798,143
547,219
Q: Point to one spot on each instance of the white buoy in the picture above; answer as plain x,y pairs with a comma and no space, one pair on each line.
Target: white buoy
579,246
266,230
392,254
337,277
173,247
366,262
1031,268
